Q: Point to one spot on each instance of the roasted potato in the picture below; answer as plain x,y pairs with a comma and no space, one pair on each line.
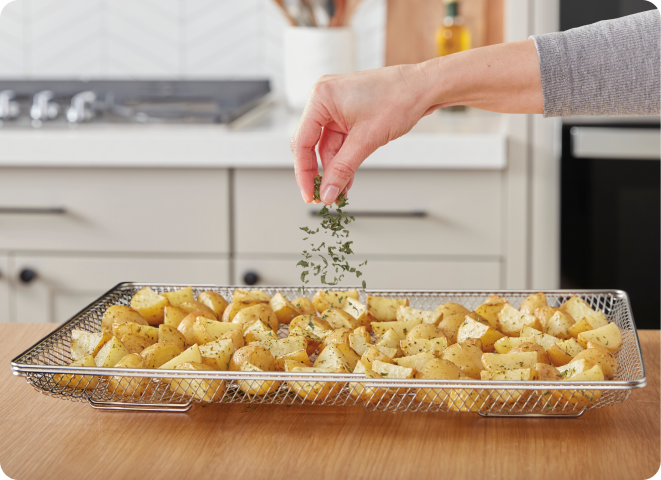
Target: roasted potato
542,356
360,312
385,309
205,390
532,303
511,321
473,329
190,355
84,343
241,295
259,356
160,353
187,325
405,314
325,299
135,343
467,357
608,337
167,333
111,353
337,318
214,301
217,354
180,296
284,310
235,307
253,313
173,316
120,314
150,305
80,382
304,305
130,386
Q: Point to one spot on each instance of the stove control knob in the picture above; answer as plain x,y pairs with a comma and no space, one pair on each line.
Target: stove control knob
80,110
43,107
27,275
8,106
250,278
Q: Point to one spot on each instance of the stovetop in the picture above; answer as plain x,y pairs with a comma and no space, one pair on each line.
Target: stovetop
47,103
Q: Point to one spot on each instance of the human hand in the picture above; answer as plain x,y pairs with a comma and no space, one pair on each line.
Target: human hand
349,116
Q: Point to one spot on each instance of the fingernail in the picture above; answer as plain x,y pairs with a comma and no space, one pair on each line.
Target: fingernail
304,199
330,194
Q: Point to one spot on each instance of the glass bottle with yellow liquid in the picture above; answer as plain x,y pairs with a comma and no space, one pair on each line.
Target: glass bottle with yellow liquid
453,36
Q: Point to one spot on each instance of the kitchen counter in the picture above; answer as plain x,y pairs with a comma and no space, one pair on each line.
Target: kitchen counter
48,438
467,140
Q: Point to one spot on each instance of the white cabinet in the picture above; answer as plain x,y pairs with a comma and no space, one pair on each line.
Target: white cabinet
423,212
5,308
64,285
405,274
114,210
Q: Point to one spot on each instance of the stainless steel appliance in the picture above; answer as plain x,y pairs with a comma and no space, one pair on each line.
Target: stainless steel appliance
62,103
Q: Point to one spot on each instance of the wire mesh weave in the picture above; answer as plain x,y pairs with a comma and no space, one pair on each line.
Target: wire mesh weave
45,367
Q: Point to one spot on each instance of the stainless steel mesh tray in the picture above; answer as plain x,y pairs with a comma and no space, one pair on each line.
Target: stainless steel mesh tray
44,366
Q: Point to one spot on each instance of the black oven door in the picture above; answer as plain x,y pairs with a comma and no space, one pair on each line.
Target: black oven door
610,213
576,13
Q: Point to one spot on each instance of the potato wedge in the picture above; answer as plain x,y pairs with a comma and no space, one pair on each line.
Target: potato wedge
259,356
80,382
206,330
495,362
473,329
532,303
312,391
215,301
325,299
217,354
300,356
281,347
130,386
187,325
449,309
385,309
358,343
391,371
237,338
467,357
150,305
402,329
418,360
253,313
84,343
337,318
235,307
373,353
406,314
608,337
241,295
135,343
542,356
546,312
424,331
190,355
256,387
558,325
167,333
180,296
173,316
257,332
332,358
363,392
490,310
205,390
120,314
547,372
340,335
159,353
304,305
284,310
148,332
511,321
599,356
577,308
360,312
437,369
509,396
111,353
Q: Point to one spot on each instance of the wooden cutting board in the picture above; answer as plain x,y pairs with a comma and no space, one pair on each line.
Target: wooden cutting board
412,24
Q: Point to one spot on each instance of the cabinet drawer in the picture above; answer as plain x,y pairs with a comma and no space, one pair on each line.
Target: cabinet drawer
136,210
402,212
65,285
4,289
385,274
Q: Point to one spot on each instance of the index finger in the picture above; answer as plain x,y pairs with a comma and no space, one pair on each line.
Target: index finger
303,145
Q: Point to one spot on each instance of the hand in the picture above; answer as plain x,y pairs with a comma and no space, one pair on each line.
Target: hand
348,117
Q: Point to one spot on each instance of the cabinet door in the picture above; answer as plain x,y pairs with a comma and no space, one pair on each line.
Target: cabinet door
4,289
385,274
421,212
63,286
114,210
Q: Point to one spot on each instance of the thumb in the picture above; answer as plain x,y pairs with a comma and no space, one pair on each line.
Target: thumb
341,169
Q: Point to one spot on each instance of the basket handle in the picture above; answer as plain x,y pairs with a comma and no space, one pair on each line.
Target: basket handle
141,407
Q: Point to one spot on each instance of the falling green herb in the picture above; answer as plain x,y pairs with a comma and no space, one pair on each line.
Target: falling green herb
329,260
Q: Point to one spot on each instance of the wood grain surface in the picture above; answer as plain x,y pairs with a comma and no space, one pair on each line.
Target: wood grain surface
44,437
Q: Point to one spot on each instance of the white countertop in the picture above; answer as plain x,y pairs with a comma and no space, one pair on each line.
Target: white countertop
448,140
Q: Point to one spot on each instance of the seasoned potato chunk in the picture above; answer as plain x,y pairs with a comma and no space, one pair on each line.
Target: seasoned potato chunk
150,305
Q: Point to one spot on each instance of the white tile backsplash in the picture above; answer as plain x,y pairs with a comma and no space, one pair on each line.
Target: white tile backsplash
160,38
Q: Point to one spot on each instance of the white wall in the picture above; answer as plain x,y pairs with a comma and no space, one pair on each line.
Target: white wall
160,38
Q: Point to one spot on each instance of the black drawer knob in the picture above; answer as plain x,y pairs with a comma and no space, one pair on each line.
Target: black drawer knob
27,275
250,278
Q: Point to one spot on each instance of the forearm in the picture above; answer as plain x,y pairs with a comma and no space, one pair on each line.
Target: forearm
501,78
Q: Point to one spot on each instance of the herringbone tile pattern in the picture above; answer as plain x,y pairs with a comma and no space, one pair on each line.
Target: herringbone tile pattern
160,38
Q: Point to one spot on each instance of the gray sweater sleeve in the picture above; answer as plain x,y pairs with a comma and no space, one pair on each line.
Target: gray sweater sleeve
608,68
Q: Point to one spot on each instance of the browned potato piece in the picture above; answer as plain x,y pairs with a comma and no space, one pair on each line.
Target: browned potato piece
532,303
159,353
129,385
241,295
360,312
206,390
450,308
235,307
81,382
111,353
206,330
191,307
465,356
511,321
337,318
173,316
178,297
325,299
257,355
146,331
304,305
474,330
313,323
214,301
237,338
135,343
577,308
558,356
167,333
150,305
187,325
490,309
84,343
341,335
547,372
385,309
559,325
120,314
284,309
544,313
437,369
542,356
372,354
599,355
425,331
608,337
477,342
450,324
253,313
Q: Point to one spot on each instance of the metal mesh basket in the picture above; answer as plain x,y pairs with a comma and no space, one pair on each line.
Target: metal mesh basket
45,367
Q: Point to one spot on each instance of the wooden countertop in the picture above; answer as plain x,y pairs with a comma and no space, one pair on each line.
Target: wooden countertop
44,437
